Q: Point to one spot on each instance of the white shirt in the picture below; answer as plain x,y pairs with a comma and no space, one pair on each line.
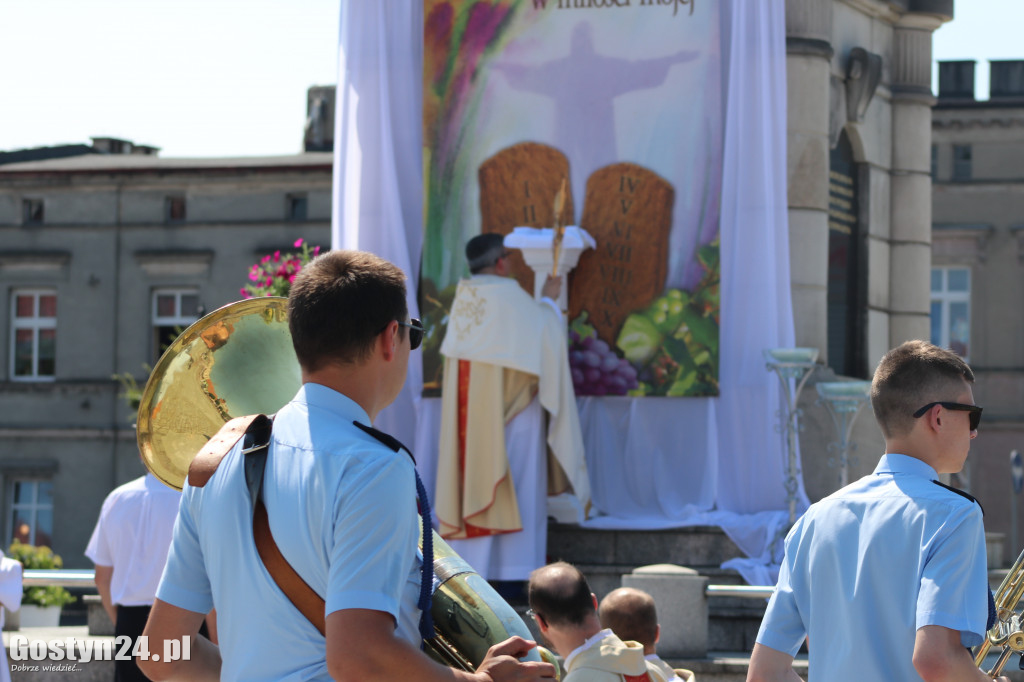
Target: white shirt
133,535
10,596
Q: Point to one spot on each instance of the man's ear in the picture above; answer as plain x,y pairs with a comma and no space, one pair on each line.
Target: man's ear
657,633
502,267
387,341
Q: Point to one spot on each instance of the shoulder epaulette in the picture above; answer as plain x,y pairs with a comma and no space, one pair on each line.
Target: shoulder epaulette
388,440
961,493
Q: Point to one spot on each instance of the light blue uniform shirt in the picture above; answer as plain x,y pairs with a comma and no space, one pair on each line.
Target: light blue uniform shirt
869,565
342,509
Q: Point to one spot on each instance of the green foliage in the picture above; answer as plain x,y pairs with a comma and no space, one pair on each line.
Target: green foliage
434,309
674,341
131,392
40,557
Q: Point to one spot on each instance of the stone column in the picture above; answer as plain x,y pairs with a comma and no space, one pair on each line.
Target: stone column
808,72
911,183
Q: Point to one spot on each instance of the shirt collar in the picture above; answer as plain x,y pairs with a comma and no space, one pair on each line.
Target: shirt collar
904,464
586,645
320,396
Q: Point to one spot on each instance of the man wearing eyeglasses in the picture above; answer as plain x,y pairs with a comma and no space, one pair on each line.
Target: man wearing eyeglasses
341,499
887,578
506,363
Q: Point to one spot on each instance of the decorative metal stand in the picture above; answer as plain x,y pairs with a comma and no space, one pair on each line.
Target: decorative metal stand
844,400
796,365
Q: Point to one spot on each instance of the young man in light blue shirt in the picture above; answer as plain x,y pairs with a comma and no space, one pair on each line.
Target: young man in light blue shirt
887,578
341,507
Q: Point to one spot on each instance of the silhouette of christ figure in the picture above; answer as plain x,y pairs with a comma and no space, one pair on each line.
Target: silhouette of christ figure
584,85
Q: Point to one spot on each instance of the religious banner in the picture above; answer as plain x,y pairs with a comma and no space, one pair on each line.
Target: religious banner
620,100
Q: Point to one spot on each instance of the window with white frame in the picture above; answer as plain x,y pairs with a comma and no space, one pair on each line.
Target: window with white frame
30,512
173,311
951,309
34,332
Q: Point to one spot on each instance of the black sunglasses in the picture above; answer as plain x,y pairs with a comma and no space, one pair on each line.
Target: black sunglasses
415,332
973,410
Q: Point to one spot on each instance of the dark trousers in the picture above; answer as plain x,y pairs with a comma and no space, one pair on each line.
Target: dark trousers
131,621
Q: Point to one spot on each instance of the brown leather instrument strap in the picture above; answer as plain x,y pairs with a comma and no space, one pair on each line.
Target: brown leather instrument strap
204,465
202,468
291,583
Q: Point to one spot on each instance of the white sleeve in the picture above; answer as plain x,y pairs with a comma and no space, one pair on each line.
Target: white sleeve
554,306
10,584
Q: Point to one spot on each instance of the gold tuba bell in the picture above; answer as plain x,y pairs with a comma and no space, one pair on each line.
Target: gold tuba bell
1008,631
239,360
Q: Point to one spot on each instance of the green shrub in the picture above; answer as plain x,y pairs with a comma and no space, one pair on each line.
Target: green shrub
40,557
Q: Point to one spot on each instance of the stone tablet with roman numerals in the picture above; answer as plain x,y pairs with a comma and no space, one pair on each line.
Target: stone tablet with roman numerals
517,189
628,210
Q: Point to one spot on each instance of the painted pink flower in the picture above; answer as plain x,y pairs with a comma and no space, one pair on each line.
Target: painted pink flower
265,259
298,243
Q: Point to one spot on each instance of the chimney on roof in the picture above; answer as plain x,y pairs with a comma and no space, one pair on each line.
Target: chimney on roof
956,80
1006,80
115,145
319,136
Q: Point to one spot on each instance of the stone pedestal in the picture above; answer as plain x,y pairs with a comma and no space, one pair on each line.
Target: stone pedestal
680,595
536,245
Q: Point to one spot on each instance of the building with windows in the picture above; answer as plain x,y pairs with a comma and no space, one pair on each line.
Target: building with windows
978,261
859,94
105,255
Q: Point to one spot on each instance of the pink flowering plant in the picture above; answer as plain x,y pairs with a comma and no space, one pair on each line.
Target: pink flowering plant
274,274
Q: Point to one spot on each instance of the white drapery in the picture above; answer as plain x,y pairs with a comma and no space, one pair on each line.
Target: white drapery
654,463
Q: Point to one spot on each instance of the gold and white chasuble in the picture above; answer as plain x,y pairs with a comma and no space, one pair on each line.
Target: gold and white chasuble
502,347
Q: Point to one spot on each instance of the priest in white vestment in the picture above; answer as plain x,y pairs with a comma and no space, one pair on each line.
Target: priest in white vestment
506,364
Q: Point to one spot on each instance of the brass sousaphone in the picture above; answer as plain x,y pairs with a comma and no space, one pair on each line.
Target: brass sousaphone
239,360
1007,635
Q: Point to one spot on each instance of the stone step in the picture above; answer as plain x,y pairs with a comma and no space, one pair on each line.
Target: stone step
696,547
605,556
733,629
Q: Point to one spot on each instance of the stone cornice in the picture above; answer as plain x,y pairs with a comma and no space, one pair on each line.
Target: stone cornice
914,94
47,263
875,9
59,433
809,46
922,21
1018,232
993,121
961,241
175,262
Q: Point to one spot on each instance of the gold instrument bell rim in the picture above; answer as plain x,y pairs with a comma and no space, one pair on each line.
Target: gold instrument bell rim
191,335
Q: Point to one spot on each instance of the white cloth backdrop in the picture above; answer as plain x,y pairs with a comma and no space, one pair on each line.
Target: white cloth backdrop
378,174
654,462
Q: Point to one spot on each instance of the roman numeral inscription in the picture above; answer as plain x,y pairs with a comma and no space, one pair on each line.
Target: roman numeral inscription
628,210
517,188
